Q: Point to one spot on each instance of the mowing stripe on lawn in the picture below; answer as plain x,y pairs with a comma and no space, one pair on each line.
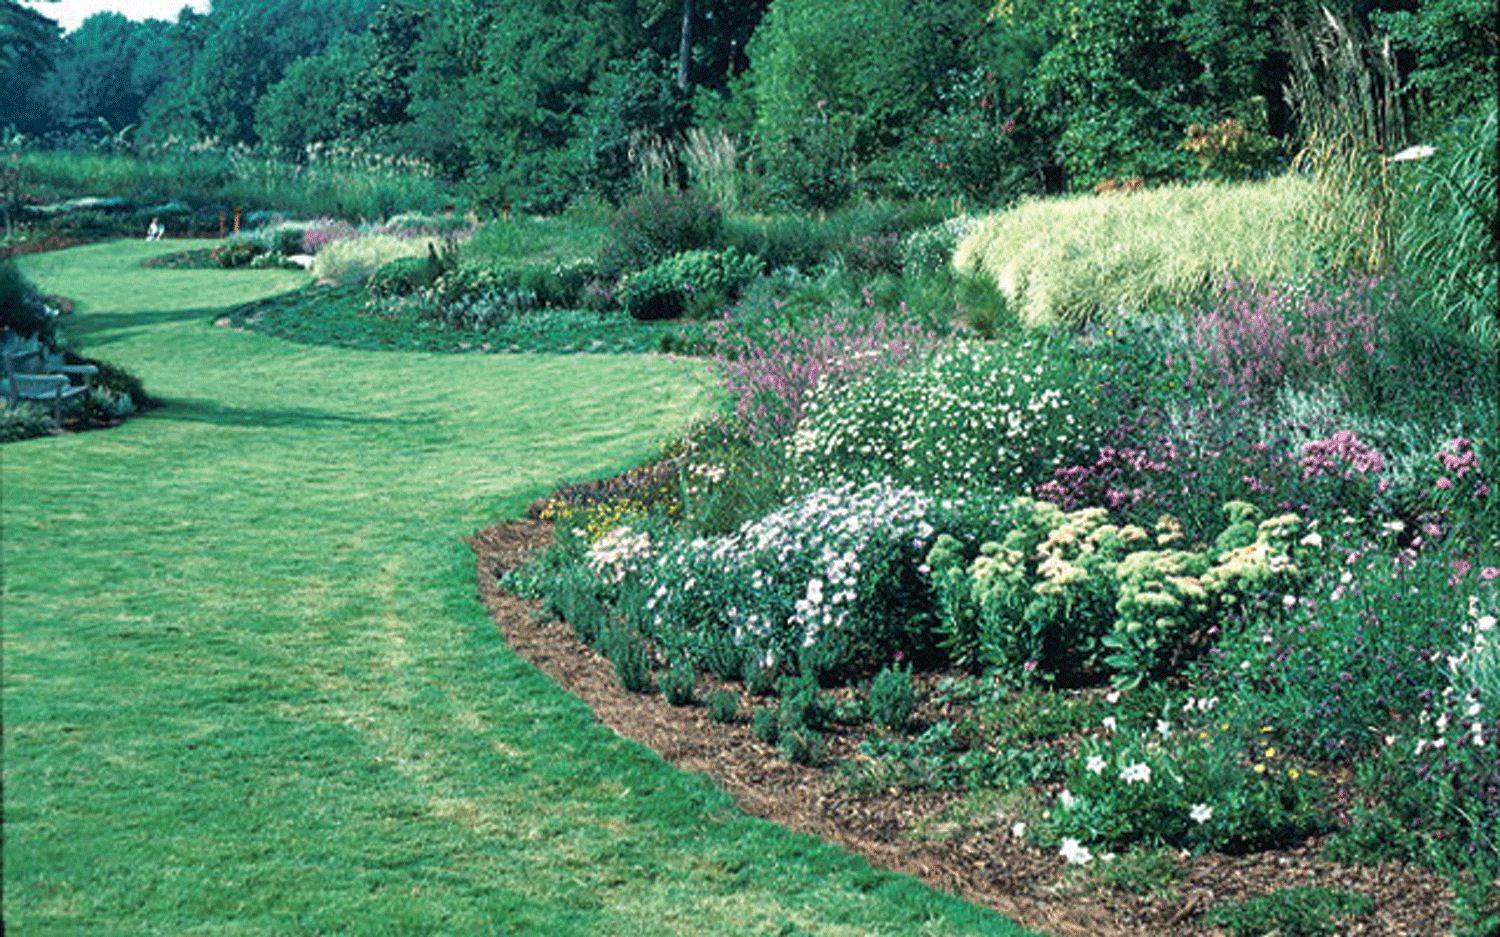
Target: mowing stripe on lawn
249,688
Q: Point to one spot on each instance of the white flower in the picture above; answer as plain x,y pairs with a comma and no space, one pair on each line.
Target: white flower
1095,764
1138,772
1067,799
1163,728
1112,697
1109,723
1018,829
1201,813
1075,853
1420,151
1313,539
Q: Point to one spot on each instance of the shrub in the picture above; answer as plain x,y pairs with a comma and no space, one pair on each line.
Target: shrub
892,699
693,282
1055,595
968,416
236,253
1292,912
657,224
678,682
1068,260
723,706
26,421
406,275
826,584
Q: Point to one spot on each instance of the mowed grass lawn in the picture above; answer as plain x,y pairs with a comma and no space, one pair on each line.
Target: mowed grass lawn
249,687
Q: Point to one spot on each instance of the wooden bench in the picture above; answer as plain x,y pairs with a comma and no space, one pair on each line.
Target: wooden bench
34,374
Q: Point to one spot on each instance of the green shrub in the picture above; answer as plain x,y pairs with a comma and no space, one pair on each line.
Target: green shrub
763,724
1290,912
694,282
723,706
892,699
678,683
22,309
1059,594
1069,260
628,651
26,421
657,224
237,253
405,275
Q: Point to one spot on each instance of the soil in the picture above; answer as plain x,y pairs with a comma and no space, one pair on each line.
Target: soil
904,830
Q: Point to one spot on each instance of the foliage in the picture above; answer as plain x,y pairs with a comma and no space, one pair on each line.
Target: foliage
1343,91
656,225
838,84
891,700
1057,595
355,260
22,309
1073,259
1294,912
26,421
1457,44
1447,243
634,101
693,283
970,416
723,706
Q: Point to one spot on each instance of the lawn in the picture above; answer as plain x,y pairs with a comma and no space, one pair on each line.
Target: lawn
249,689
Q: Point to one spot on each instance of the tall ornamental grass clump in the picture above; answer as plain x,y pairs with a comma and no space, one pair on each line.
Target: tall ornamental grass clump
1447,243
354,260
1070,260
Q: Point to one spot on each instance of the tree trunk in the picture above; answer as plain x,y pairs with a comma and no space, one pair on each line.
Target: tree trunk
685,46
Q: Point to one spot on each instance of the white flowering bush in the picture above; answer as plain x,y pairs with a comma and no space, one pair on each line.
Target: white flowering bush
828,582
970,416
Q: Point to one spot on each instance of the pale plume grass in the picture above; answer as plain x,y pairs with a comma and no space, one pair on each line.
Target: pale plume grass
712,158
1071,259
1343,89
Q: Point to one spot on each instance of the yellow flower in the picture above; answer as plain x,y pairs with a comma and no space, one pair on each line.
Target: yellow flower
1260,769
1270,753
1293,773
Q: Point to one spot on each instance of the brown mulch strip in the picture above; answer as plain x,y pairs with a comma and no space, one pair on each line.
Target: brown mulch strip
901,830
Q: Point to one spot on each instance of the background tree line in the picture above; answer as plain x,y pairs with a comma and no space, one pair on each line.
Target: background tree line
537,104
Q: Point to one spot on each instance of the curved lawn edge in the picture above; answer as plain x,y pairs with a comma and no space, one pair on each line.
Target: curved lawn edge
249,689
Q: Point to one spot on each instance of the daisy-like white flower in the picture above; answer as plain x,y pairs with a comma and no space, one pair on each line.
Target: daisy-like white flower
1018,829
1075,852
1140,772
1095,764
1067,799
1109,723
1201,813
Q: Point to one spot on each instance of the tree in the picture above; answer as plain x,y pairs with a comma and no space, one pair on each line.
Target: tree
106,69
28,45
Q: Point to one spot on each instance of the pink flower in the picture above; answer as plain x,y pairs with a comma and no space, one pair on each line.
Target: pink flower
1443,484
1489,573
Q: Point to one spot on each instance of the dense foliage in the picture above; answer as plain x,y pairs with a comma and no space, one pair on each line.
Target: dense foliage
818,101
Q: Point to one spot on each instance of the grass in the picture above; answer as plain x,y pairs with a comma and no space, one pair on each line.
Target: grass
1070,259
248,688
